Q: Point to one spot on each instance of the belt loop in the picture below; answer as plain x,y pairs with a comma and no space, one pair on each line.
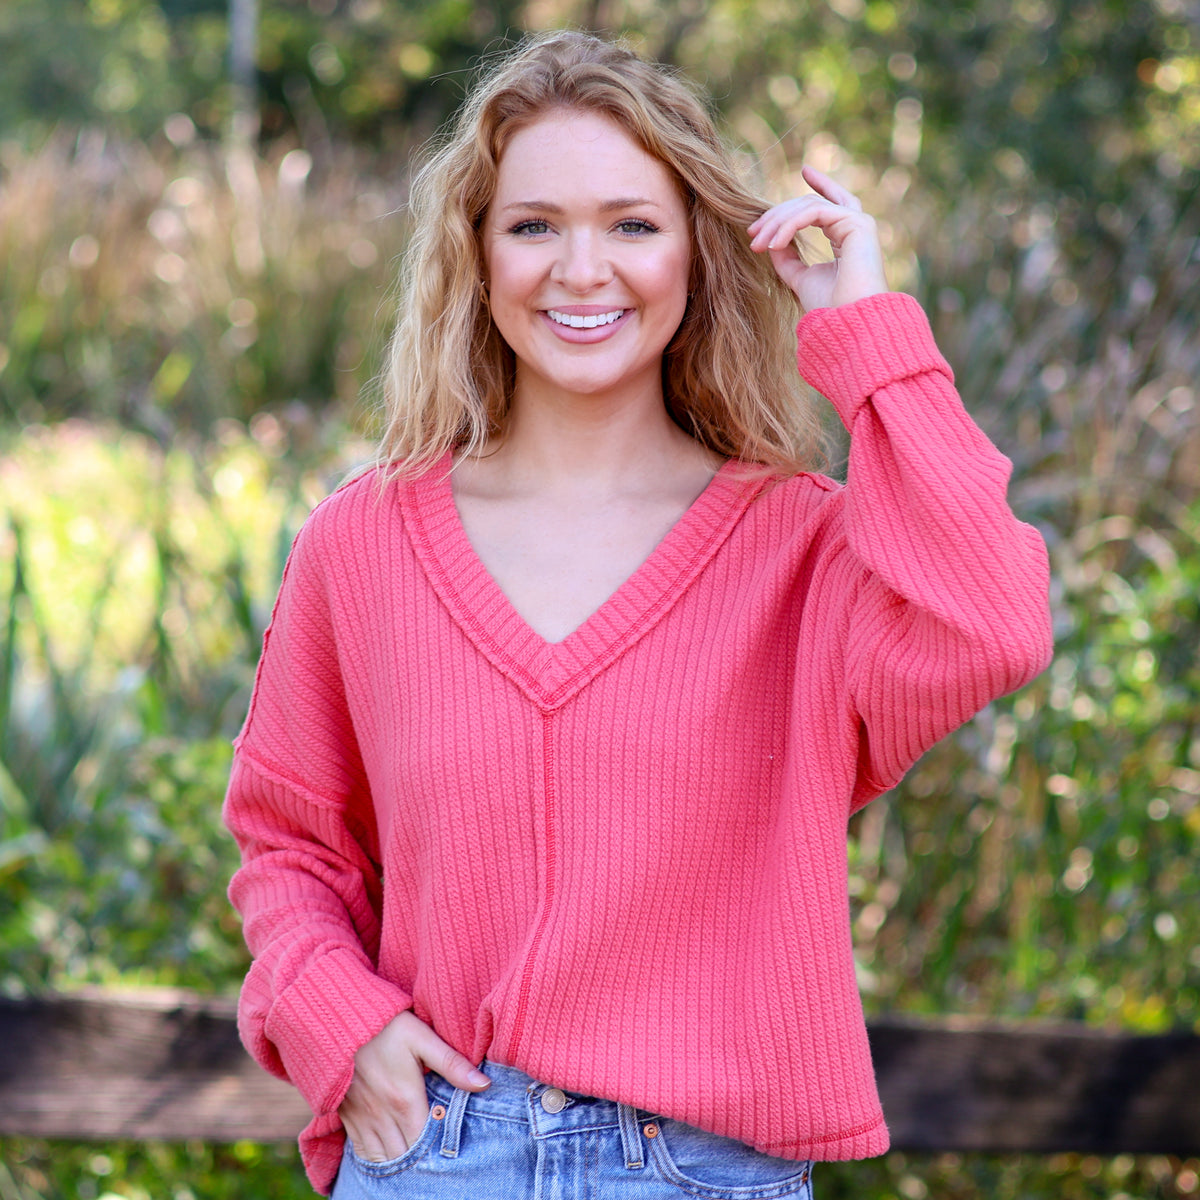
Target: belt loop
631,1137
453,1126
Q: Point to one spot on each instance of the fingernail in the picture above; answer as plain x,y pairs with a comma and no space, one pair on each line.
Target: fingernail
479,1079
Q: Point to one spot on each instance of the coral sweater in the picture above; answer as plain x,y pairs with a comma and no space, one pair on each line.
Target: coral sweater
618,862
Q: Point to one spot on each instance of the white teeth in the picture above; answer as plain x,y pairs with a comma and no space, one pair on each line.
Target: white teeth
585,322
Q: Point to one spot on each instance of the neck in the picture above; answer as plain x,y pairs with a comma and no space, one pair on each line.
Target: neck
590,442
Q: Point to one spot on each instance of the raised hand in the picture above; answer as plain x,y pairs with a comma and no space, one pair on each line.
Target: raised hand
386,1106
857,267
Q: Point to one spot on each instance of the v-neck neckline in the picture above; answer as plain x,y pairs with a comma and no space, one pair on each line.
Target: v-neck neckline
551,672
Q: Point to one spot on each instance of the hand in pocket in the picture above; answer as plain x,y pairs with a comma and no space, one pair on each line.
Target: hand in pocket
385,1107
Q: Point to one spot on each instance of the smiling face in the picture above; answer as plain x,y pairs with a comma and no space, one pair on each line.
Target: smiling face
587,252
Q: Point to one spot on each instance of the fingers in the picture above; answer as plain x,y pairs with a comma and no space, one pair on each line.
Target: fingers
857,270
386,1106
379,1136
827,186
377,1142
777,228
829,205
771,230
441,1057
457,1069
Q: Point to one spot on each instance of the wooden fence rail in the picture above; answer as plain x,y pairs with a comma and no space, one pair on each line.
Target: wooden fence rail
99,1065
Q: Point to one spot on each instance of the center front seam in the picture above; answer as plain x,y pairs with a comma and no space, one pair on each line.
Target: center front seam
550,861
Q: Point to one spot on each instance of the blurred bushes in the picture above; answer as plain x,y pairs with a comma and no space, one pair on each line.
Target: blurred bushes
167,292
1081,97
248,292
366,69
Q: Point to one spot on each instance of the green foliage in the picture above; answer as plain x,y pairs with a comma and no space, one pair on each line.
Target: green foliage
388,73
1012,1177
1079,99
125,666
38,1170
120,62
125,669
1060,98
365,69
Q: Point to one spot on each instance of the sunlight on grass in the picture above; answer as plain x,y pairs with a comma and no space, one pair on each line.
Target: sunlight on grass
113,528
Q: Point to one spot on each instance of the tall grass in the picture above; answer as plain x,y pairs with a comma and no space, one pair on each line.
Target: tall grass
170,292
214,321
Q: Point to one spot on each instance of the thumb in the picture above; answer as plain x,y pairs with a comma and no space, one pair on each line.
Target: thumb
453,1067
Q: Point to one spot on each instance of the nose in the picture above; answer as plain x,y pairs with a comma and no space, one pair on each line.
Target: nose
581,265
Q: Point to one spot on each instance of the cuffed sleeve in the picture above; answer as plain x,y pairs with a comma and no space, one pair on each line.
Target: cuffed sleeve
309,888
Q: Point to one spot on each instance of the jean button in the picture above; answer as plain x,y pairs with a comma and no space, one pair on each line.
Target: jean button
554,1100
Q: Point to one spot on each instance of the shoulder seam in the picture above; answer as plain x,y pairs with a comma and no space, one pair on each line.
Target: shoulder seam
277,775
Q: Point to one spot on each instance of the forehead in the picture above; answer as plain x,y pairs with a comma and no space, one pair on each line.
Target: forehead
581,155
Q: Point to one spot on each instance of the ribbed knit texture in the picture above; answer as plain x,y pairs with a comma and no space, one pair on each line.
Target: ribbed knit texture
618,862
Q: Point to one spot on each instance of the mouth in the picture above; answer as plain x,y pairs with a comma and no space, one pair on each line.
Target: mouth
590,321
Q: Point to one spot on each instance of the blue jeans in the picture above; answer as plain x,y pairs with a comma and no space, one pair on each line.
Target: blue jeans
522,1140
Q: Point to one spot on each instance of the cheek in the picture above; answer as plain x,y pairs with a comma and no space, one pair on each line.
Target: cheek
670,279
509,291
512,279
676,267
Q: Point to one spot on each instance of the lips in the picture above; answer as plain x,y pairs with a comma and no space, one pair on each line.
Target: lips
584,320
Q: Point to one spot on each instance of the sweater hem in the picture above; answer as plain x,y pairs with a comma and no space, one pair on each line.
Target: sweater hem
867,1140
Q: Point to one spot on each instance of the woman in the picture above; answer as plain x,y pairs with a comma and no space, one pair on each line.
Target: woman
563,710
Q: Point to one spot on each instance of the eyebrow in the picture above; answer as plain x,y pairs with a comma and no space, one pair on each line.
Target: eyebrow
607,206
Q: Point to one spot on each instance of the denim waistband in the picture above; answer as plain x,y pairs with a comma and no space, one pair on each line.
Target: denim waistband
543,1110
515,1096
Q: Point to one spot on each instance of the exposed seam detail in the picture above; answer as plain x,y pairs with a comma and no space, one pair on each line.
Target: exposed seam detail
551,873
856,1131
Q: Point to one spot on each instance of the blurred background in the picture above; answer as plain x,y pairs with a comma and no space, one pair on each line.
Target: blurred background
198,235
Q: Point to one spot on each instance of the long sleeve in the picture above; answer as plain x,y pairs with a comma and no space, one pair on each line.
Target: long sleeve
950,607
309,888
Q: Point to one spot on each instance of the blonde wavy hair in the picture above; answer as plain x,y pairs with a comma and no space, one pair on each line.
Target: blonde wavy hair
729,374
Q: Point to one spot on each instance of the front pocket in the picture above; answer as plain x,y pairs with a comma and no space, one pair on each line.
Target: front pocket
393,1166
719,1168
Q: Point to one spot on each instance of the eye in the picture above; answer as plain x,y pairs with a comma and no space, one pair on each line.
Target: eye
531,228
633,226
